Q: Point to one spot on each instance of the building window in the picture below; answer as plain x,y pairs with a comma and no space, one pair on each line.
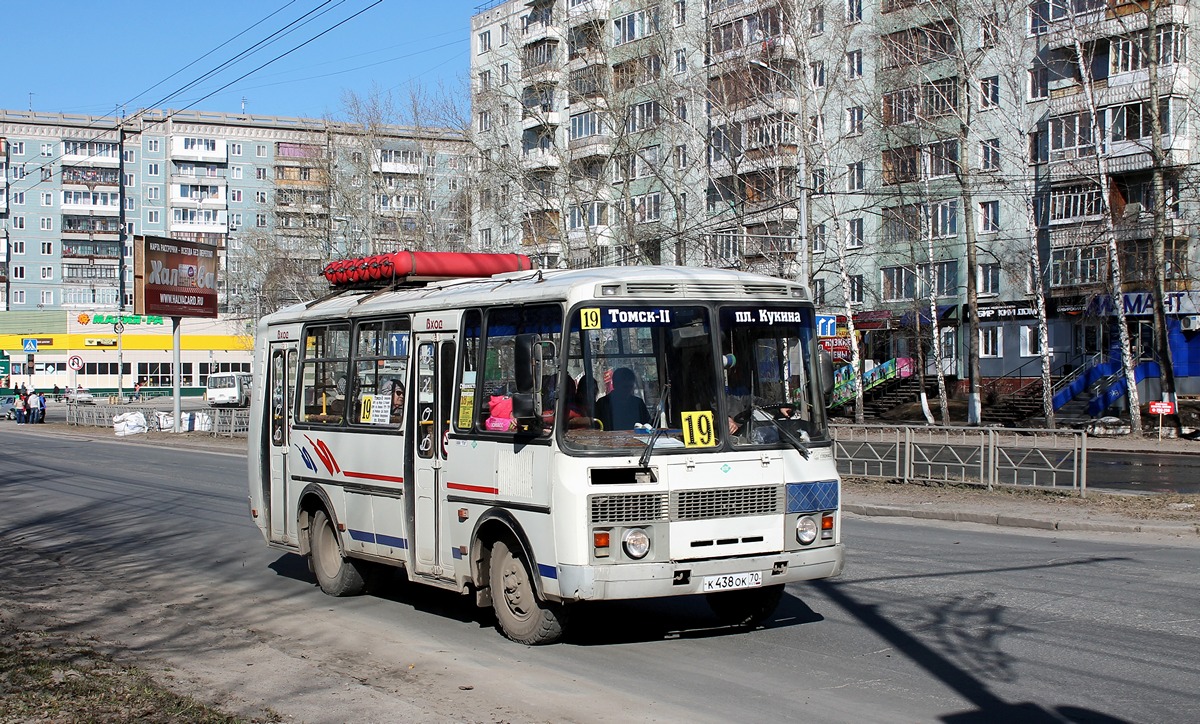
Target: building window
681,60
816,20
680,15
647,207
989,279
18,296
816,72
818,292
235,149
18,247
485,121
47,296
943,219
854,62
47,248
942,275
856,177
260,173
634,26
18,198
1031,342
46,223
681,157
817,237
47,198
485,238
152,144
18,222
899,283
260,150
260,197
855,233
681,109
989,30
47,149
854,121
152,216
989,155
854,11
485,41
17,148
235,195
856,289
260,220
127,155
991,342
47,273
989,92
18,271
989,217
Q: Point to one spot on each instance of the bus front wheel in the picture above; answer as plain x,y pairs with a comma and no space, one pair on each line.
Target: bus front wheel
522,616
337,575
748,607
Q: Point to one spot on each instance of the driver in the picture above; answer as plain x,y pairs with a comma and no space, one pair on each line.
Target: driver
621,409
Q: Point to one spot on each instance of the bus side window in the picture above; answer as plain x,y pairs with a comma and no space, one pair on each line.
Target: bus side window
499,366
324,374
463,414
380,366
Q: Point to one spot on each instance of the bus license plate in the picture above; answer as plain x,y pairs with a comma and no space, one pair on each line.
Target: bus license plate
733,581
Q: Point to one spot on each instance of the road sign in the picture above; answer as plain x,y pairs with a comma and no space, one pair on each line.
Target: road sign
1159,407
75,362
119,327
826,325
29,345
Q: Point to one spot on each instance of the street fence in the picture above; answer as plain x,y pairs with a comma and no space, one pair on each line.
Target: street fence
981,456
217,421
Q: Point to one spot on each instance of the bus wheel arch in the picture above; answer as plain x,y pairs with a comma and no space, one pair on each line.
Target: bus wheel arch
505,573
321,542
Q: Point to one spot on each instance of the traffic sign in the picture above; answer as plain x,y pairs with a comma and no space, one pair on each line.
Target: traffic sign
29,345
1159,407
826,325
119,327
75,362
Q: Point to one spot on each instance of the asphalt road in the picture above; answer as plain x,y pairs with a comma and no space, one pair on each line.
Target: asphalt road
153,547
1144,472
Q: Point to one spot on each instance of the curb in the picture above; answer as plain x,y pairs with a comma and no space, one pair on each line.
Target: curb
1013,521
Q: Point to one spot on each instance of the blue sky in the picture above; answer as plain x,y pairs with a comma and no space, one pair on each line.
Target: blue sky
91,56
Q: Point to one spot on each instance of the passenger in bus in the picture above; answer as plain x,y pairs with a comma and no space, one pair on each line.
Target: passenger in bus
621,409
397,414
577,414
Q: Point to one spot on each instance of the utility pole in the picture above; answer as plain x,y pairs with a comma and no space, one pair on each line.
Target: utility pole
120,326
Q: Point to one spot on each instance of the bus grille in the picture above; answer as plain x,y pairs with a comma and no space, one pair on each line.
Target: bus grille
726,502
634,507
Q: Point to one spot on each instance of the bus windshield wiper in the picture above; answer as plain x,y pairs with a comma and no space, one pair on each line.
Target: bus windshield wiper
644,460
787,434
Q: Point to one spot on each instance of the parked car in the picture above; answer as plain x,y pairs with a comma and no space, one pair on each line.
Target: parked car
79,396
6,408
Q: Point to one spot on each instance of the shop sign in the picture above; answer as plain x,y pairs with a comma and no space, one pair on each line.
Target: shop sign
877,319
998,312
126,319
837,347
1137,304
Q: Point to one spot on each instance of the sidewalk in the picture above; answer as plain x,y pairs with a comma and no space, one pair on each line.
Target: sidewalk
1177,516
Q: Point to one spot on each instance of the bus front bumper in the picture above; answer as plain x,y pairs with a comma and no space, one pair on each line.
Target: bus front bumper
682,578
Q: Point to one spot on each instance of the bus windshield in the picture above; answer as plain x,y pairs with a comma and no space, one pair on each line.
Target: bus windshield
632,368
768,354
665,372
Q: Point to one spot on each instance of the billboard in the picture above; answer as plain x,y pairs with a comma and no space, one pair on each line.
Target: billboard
174,278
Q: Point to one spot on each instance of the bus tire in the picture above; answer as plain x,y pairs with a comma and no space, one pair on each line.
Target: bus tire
522,616
748,607
336,574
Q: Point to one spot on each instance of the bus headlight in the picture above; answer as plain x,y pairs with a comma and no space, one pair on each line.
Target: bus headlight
806,530
636,543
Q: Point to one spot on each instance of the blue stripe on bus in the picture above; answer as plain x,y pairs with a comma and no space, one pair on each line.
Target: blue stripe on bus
391,540
811,497
546,571
456,553
366,536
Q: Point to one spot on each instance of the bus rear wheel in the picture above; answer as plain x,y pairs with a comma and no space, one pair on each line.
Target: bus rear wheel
748,607
336,574
522,616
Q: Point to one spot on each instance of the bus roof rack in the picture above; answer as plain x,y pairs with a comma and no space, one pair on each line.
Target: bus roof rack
418,267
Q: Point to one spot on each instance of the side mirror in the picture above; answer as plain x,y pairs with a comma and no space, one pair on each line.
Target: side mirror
827,376
527,372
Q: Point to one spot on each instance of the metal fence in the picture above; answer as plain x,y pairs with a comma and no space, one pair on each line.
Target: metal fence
982,456
218,422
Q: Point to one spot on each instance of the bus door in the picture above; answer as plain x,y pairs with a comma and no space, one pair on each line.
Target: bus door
277,417
433,378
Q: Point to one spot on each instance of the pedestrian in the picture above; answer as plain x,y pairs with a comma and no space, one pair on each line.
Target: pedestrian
19,408
32,408
42,407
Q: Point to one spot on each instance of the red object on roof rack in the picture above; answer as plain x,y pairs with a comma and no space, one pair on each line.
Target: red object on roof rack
402,267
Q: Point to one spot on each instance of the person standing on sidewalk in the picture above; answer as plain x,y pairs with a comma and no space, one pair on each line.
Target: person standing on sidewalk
42,408
19,407
33,408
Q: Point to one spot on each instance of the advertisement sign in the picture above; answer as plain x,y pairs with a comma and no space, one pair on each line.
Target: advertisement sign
1158,407
174,278
837,347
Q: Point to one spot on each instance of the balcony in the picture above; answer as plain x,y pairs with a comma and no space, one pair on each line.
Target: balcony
599,145
533,159
540,116
544,28
89,176
89,227
91,249
200,150
589,11
398,163
1122,20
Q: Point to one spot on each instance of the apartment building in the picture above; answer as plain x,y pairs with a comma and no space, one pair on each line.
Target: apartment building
890,152
278,197
308,187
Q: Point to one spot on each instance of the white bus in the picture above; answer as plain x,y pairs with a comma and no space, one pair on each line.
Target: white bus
228,388
538,438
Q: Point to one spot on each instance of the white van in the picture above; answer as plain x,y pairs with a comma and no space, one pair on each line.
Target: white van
228,388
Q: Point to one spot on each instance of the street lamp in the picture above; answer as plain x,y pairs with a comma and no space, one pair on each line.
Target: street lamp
801,170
